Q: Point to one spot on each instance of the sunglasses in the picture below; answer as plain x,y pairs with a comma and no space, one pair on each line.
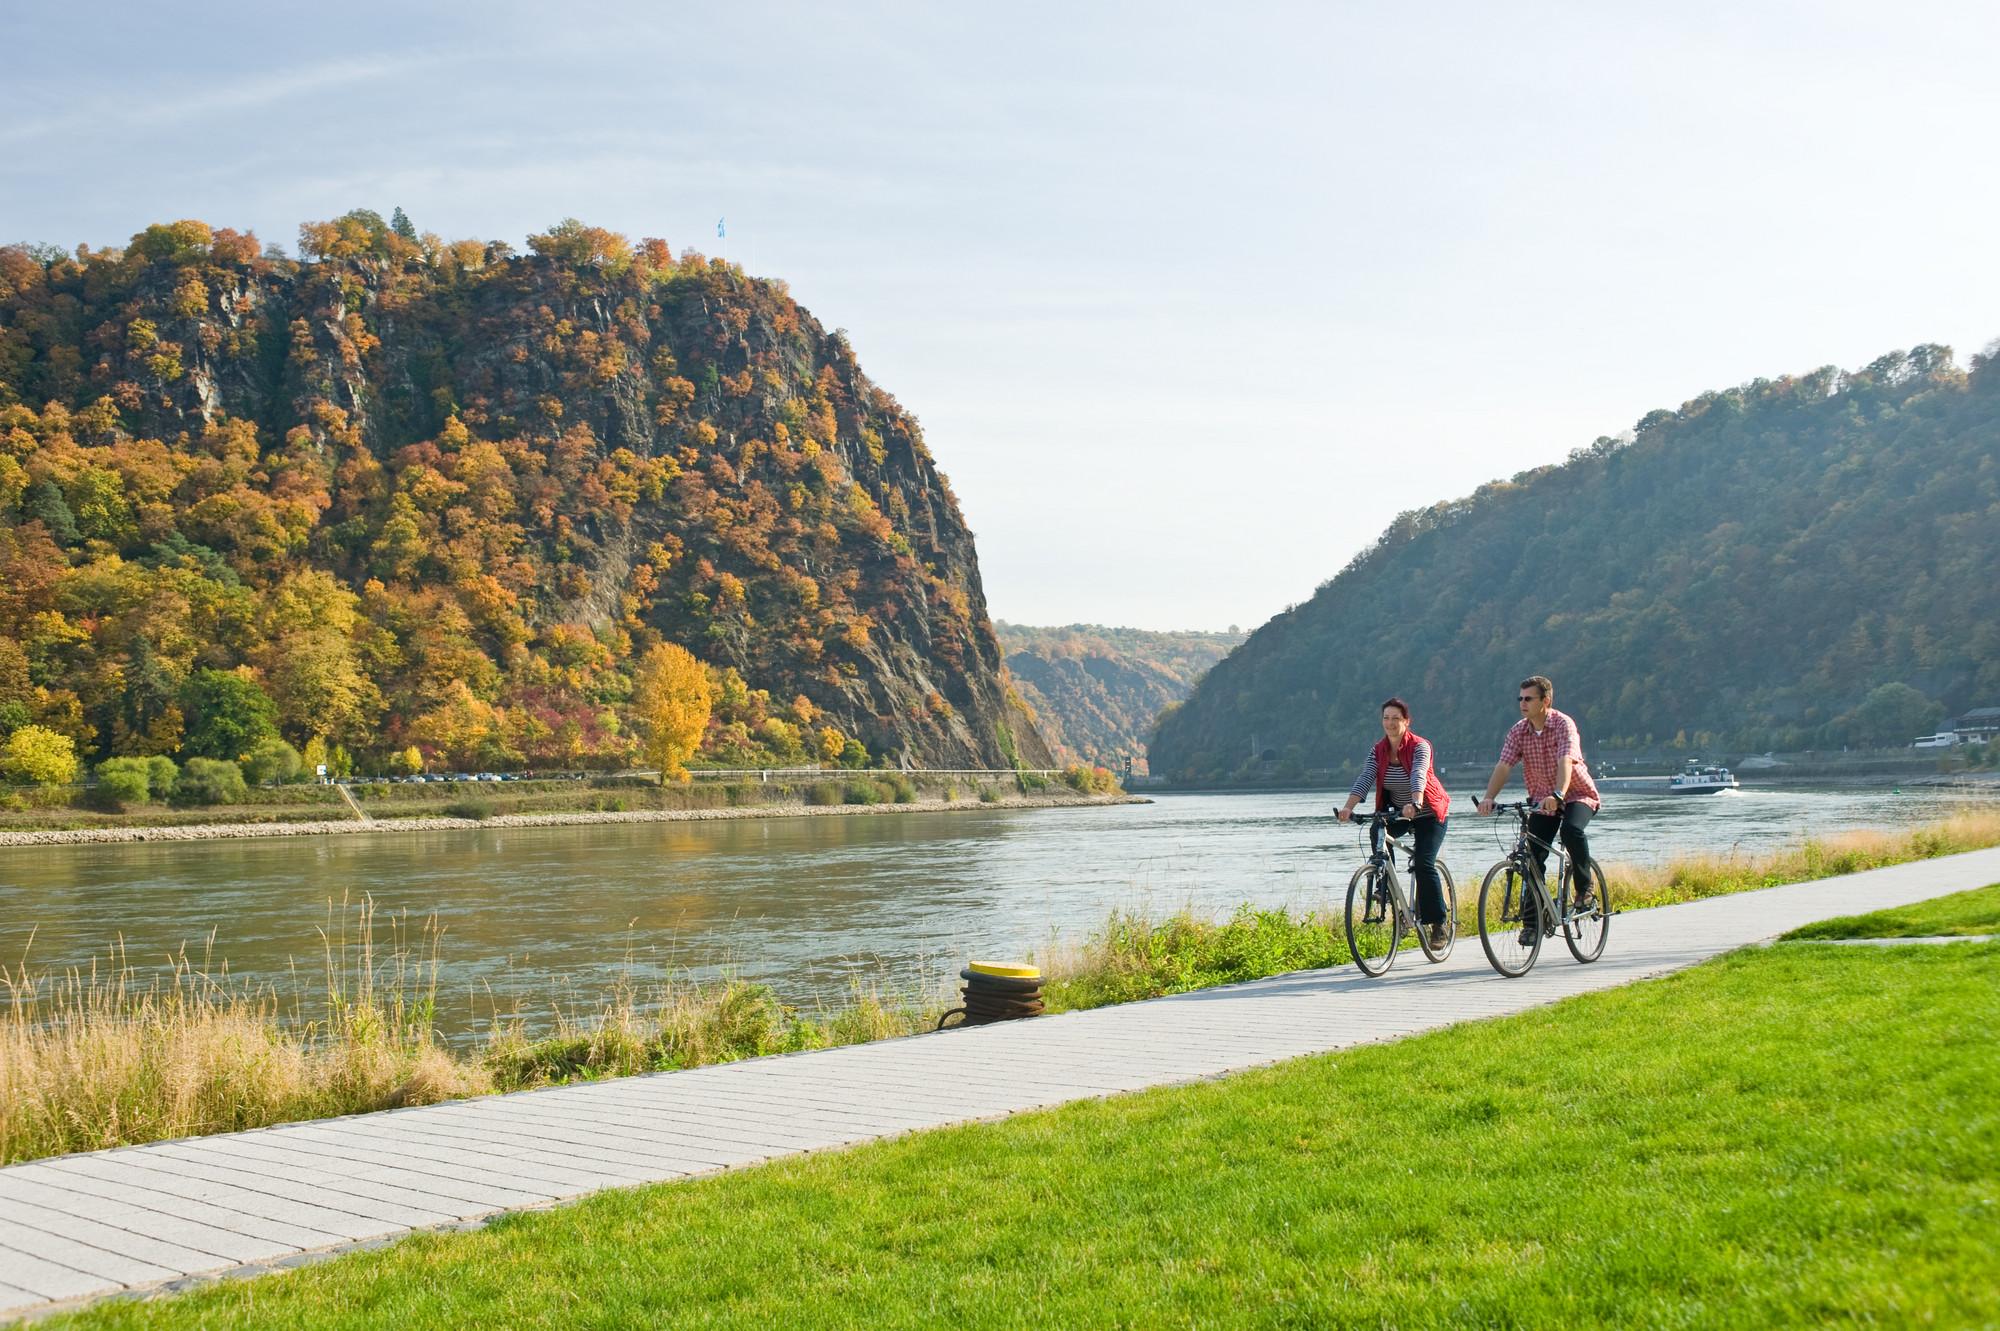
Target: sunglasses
1528,697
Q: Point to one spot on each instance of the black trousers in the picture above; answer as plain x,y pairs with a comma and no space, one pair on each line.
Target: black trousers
1428,837
1544,827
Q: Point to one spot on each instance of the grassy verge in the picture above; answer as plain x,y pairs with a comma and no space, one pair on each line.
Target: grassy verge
1784,1137
1133,957
1961,913
91,1061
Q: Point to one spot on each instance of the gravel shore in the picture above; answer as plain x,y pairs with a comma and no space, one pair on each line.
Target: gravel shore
231,831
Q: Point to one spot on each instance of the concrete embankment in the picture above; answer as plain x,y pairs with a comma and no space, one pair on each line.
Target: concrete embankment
232,831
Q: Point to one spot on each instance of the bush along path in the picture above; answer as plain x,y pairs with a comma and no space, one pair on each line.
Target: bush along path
80,1227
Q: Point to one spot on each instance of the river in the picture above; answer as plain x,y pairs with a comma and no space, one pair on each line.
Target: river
812,905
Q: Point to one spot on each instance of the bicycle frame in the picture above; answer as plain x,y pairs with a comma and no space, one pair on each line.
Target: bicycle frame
1522,857
1383,847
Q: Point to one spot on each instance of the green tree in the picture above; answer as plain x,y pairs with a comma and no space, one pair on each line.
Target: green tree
210,781
271,761
1891,715
36,755
124,781
161,776
399,222
227,715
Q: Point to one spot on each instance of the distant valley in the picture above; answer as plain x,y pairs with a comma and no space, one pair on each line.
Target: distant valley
1097,692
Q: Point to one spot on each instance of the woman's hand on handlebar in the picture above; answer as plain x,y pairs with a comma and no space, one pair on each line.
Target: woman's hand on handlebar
1345,813
1485,806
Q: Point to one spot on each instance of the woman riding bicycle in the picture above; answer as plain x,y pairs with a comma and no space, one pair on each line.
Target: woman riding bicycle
1399,770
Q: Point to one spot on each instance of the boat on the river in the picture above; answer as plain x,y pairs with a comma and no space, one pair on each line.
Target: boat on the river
1695,779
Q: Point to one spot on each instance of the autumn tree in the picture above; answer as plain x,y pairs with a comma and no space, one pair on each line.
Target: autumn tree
671,697
40,756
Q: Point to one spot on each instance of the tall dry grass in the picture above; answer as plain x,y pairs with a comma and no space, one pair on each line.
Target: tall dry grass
103,1057
113,1054
117,1054
1692,877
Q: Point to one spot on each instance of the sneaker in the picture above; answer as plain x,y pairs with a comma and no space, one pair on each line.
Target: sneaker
1585,901
1439,936
1528,933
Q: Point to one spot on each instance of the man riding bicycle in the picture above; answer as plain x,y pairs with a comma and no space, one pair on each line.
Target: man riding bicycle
1548,747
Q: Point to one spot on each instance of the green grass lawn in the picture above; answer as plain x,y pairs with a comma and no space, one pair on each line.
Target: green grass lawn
1973,912
1784,1136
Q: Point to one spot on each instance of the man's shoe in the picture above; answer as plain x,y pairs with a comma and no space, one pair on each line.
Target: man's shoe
1439,936
1584,901
1528,932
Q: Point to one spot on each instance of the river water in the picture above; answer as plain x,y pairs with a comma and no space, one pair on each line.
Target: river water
812,905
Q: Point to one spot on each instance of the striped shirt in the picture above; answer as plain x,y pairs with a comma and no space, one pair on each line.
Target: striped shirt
1397,780
1538,754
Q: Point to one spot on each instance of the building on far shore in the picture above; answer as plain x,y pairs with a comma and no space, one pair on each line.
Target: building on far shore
1977,726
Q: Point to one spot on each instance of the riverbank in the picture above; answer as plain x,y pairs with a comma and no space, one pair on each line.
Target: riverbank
114,1057
433,823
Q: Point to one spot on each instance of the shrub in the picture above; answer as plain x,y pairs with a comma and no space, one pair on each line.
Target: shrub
900,788
862,792
36,755
1033,781
161,776
988,795
822,792
477,810
123,781
272,761
1089,780
210,781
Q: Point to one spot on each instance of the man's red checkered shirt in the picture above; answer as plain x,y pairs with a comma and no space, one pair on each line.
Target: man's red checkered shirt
1537,755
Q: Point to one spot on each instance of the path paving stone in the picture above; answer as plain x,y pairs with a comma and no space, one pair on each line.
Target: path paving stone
80,1227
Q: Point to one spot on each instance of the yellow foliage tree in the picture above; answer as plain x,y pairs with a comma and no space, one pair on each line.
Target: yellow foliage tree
671,698
39,755
831,743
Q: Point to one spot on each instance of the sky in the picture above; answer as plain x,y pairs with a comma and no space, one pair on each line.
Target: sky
1191,300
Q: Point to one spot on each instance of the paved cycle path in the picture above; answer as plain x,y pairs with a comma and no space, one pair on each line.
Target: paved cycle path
80,1227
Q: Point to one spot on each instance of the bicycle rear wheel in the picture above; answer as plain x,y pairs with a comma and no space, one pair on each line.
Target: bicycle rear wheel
1511,942
1442,950
1374,927
1585,932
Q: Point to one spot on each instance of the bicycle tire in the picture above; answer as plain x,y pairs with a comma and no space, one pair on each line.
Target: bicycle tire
1500,922
1437,954
1585,934
1372,909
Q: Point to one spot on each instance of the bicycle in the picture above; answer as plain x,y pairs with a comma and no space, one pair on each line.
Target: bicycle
1378,911
1516,912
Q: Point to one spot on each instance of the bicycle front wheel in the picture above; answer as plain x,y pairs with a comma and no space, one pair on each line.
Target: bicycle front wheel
1585,931
1374,929
1509,929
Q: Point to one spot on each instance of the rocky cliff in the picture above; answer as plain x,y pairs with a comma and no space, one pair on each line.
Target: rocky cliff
553,458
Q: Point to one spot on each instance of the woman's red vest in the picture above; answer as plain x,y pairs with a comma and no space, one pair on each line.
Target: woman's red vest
1435,800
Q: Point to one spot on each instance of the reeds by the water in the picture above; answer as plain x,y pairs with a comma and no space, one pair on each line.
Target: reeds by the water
101,1057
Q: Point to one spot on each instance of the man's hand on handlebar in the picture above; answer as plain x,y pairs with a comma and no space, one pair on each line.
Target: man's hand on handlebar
1485,807
1551,804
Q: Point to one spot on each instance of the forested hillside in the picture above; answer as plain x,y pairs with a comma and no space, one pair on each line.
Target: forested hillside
1097,691
428,501
1796,563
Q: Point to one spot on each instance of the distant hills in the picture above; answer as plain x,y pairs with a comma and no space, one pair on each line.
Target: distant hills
1098,691
1806,562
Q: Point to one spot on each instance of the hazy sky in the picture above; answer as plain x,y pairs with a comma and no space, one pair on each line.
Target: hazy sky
1191,300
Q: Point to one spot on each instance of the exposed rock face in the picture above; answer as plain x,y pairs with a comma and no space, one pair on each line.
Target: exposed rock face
642,444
